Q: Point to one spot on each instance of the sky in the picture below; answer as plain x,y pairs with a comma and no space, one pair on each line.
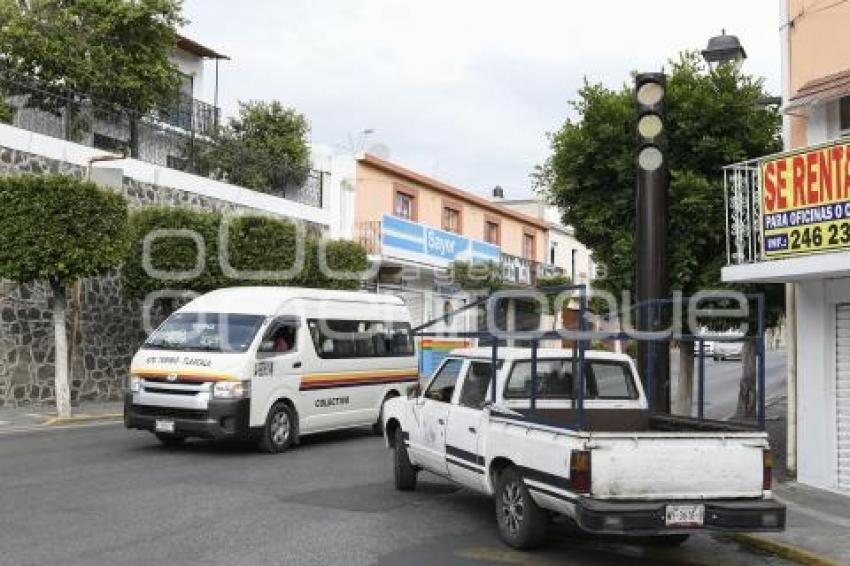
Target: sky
465,90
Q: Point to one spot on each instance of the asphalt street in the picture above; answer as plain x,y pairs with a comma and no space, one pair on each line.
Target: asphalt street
722,379
102,495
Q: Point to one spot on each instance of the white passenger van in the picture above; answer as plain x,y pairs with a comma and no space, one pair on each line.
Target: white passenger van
270,364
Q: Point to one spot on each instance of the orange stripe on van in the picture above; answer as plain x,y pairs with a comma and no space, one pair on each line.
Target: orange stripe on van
349,379
194,375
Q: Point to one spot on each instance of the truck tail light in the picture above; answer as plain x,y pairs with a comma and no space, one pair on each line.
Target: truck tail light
580,471
767,466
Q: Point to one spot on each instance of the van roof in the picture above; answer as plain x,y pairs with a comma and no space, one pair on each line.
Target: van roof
266,300
506,353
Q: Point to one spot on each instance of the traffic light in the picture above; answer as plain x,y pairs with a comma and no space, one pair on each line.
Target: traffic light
652,281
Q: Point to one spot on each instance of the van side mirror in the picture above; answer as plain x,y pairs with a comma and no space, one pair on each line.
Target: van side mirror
266,346
414,391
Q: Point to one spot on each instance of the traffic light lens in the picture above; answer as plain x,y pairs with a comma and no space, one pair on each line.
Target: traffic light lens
650,125
650,94
650,158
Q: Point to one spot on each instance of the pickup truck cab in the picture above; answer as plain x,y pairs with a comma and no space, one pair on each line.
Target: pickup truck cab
625,472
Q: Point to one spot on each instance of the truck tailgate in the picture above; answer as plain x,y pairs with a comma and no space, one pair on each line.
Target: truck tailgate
677,465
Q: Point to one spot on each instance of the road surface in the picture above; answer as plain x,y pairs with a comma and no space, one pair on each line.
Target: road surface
101,495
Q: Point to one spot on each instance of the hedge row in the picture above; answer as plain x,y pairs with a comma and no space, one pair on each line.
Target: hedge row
174,248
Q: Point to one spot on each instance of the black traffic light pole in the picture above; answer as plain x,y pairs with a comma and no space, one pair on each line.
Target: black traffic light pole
652,284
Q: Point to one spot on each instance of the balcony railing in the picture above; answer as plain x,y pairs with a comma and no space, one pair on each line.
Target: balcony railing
742,198
523,271
192,115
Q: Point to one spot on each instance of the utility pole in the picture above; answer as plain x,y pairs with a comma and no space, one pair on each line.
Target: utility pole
652,283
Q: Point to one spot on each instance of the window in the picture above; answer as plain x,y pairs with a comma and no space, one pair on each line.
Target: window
491,232
528,246
608,380
473,394
844,115
206,332
552,254
405,205
281,337
451,219
360,338
443,385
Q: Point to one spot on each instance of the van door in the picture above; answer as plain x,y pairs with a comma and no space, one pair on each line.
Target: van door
431,413
277,370
463,454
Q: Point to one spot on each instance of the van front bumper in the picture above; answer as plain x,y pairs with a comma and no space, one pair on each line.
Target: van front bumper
648,517
222,419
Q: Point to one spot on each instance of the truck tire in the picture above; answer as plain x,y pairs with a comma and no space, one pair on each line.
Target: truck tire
170,440
403,471
279,431
522,524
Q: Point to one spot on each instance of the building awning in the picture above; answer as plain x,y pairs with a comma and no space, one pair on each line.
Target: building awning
196,48
819,90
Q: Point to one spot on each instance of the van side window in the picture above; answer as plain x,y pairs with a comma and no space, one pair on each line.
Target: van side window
280,338
473,393
443,385
334,338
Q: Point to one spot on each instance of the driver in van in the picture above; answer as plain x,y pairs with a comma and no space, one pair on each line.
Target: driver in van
283,340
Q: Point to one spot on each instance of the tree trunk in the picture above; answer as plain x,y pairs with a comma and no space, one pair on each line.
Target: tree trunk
685,389
63,388
747,391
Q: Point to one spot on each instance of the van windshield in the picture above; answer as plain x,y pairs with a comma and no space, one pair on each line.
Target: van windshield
206,332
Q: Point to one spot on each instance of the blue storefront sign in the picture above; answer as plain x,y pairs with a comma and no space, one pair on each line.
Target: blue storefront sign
409,240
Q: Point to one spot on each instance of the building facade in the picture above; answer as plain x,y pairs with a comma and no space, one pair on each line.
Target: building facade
787,224
563,250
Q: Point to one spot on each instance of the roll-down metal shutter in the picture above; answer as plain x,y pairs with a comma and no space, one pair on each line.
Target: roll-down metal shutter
842,393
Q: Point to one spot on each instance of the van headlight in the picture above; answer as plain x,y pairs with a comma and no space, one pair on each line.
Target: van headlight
231,389
134,384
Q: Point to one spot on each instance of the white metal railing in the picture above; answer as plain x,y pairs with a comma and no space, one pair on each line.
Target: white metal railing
742,200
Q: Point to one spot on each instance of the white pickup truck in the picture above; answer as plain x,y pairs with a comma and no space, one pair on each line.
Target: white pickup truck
625,472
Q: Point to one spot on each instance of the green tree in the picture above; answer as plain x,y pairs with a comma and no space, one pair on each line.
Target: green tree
113,53
59,229
264,148
482,277
714,119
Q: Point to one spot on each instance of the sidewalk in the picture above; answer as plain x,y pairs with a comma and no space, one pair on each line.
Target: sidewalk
22,418
817,527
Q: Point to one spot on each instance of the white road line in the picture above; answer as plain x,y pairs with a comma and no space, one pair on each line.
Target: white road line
47,428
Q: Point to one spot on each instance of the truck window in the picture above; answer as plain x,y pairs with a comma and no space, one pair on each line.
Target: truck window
473,393
602,380
443,385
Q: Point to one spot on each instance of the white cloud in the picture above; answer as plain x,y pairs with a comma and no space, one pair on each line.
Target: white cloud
465,90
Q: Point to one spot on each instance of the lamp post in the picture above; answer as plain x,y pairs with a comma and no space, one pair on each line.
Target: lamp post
724,49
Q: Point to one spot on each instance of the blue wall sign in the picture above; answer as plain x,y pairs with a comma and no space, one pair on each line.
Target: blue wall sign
409,240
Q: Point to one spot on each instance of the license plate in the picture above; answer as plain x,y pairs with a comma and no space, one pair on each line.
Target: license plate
685,515
164,425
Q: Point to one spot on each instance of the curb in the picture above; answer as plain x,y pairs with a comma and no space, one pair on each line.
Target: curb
75,419
784,550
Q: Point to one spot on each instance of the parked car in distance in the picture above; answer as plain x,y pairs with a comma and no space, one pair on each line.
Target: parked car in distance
727,350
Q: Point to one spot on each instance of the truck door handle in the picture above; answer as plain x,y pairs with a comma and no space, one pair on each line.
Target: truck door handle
441,421
296,365
472,430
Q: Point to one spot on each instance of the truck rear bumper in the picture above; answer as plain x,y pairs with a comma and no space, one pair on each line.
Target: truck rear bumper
222,419
648,517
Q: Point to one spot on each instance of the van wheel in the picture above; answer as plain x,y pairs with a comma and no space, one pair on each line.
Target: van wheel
522,524
279,430
403,471
169,440
378,427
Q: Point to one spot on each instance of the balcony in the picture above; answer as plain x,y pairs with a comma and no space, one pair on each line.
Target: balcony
168,137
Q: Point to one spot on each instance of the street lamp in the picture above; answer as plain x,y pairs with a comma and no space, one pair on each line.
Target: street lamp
724,49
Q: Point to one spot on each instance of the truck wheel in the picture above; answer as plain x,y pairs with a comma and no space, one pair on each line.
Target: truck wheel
522,524
403,471
169,440
279,429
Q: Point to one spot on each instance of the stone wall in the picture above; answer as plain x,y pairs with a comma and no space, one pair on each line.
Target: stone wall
110,326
